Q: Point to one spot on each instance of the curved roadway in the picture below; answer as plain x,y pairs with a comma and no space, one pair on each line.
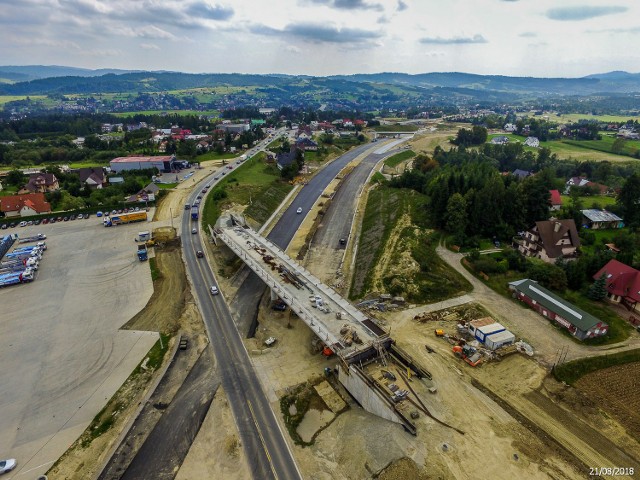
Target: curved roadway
266,448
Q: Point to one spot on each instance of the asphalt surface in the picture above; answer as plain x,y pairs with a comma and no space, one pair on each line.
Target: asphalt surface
265,446
245,303
169,442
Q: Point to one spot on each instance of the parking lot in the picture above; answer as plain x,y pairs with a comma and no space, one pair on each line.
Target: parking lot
63,355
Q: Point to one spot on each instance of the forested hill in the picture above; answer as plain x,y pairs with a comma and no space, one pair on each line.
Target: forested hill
477,85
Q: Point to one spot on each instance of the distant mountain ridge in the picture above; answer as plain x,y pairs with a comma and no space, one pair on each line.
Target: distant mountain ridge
43,80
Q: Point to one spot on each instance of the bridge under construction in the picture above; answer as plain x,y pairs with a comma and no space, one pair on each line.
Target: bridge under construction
372,368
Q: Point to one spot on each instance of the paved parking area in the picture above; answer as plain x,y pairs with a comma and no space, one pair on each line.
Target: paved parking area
63,355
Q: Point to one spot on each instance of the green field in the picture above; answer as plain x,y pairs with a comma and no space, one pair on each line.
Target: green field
589,202
12,98
575,117
168,112
395,160
605,144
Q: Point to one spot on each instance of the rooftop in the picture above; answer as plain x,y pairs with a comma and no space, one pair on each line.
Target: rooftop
596,215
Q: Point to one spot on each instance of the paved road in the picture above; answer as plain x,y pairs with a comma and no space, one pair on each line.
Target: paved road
265,446
245,303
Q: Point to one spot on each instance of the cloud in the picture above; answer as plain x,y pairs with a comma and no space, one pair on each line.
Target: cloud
319,33
401,6
149,46
453,40
633,30
582,13
528,35
350,4
210,12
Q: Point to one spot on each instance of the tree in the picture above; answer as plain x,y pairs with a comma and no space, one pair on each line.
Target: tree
548,275
618,146
456,217
16,178
598,291
629,200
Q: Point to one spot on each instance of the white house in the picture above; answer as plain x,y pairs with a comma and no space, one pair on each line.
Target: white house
509,127
532,142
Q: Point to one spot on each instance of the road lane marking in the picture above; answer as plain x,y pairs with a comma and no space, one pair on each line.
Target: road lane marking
264,445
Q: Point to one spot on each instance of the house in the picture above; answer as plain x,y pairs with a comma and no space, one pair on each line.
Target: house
600,219
509,127
521,174
575,182
532,142
555,200
92,177
306,144
40,183
284,159
147,194
578,322
622,283
24,205
549,240
500,140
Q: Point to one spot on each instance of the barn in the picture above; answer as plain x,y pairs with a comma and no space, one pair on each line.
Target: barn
578,322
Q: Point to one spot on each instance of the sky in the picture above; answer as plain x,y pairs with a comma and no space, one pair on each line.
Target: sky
539,38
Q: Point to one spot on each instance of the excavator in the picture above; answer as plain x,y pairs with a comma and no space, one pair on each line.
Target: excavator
468,354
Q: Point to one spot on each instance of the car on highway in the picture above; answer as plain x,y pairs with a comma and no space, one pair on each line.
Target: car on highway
299,210
194,230
199,253
343,241
199,197
229,167
7,465
214,290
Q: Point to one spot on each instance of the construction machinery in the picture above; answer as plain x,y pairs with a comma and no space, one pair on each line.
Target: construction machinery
469,354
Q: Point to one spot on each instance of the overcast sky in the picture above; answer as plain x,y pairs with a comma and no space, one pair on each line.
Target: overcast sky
568,38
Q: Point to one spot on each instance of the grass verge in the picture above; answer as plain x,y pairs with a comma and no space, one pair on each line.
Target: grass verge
571,372
155,271
398,158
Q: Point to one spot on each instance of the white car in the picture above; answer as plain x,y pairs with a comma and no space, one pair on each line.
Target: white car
299,210
7,465
23,224
214,290
194,230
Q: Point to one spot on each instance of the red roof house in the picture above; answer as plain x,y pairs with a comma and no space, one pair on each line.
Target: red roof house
623,283
556,200
24,205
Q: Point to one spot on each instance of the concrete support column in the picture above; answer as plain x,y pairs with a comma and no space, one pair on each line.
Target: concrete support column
274,295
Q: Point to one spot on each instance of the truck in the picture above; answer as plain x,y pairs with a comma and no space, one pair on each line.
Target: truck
15,278
19,265
122,218
34,238
142,252
194,212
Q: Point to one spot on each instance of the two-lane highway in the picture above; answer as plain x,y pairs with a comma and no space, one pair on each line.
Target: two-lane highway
265,446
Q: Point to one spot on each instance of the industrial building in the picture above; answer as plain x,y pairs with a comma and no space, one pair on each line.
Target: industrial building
164,163
578,322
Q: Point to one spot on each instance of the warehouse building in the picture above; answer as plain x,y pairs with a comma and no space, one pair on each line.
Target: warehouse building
578,322
164,163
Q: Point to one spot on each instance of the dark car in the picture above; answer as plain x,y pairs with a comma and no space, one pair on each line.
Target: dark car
279,306
59,219
204,190
199,197
199,254
37,222
12,224
72,217
45,221
87,215
53,220
342,241
65,219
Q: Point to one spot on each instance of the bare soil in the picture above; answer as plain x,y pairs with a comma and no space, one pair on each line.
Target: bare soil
617,391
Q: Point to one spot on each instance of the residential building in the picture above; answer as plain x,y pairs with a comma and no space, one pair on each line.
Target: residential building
549,240
622,283
555,199
286,158
600,219
509,127
532,142
147,194
500,140
92,177
40,183
24,205
521,174
306,144
578,322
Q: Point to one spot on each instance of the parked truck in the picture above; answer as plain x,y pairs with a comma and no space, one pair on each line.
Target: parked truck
17,277
142,252
194,212
122,218
34,238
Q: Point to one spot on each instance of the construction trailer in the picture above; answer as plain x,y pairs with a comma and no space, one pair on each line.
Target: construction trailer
500,339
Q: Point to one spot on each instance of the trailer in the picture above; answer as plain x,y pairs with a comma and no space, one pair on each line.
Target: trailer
41,246
194,212
123,218
14,278
34,238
